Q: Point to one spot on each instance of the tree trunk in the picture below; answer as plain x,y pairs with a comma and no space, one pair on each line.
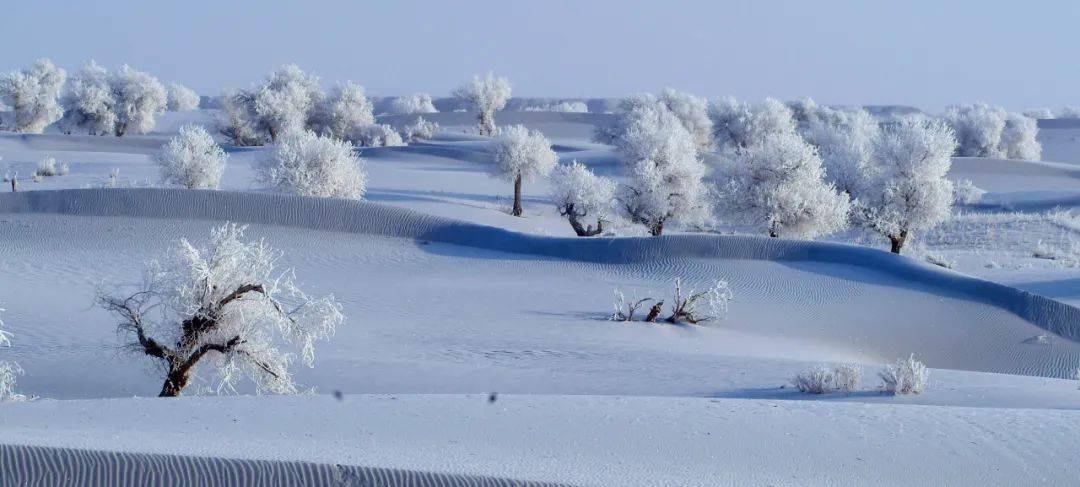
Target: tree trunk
580,230
656,228
517,196
654,312
898,242
175,382
14,184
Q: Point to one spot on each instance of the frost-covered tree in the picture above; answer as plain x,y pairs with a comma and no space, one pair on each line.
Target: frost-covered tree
224,312
418,130
89,103
287,100
374,135
181,98
192,159
910,193
736,124
239,121
486,95
139,97
978,129
308,164
804,110
520,155
844,139
778,185
343,110
665,172
33,94
1069,112
1019,138
579,194
1040,113
693,112
414,103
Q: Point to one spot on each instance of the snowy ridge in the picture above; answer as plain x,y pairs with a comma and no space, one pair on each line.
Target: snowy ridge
375,219
39,465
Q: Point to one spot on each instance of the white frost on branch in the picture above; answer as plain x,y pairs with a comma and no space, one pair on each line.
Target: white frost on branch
224,312
411,104
520,155
581,197
181,98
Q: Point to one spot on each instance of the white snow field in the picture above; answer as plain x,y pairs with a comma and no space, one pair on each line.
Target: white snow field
449,299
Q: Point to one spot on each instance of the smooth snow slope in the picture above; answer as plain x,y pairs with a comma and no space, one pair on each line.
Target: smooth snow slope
582,440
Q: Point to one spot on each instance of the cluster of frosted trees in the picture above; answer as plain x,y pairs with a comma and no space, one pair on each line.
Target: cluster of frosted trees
794,170
94,100
987,131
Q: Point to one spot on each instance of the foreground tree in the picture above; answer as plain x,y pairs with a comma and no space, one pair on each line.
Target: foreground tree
225,311
192,159
139,98
485,95
520,155
910,193
33,94
181,98
287,100
312,165
662,160
778,185
693,113
579,194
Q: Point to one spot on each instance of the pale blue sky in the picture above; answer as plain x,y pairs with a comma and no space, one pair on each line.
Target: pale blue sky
919,52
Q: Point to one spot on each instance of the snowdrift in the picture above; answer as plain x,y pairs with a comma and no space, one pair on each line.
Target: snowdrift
374,219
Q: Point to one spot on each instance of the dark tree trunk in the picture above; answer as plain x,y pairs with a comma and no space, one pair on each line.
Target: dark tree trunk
582,231
517,196
175,382
14,184
898,242
656,228
654,312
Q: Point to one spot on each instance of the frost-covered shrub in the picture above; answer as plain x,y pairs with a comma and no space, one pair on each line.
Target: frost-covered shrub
311,165
485,95
777,185
286,101
48,167
192,159
824,379
909,193
562,107
1068,255
1040,113
700,306
1019,138
665,172
906,376
374,135
414,103
239,121
845,142
579,194
624,309
418,130
33,94
223,310
965,192
89,102
139,98
1069,112
978,129
521,155
181,98
738,125
9,371
345,109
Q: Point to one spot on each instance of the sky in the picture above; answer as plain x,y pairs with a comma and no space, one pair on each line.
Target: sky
925,53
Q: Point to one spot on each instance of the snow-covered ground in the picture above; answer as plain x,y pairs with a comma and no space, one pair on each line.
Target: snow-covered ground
450,298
